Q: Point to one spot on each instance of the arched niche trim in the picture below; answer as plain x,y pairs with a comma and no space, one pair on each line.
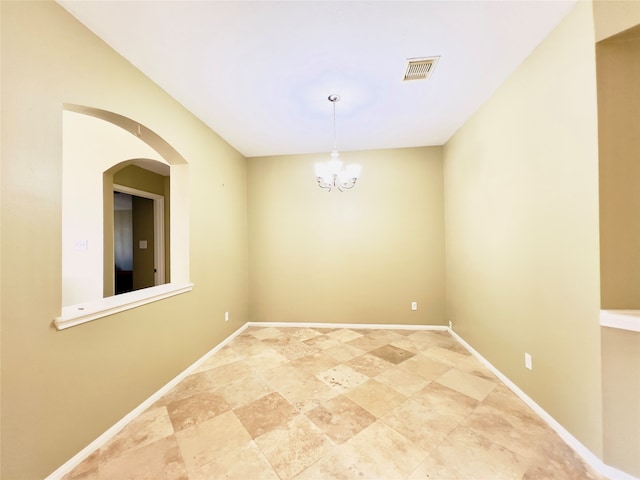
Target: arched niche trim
93,147
148,136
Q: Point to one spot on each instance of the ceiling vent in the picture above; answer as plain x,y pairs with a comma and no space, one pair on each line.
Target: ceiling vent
420,68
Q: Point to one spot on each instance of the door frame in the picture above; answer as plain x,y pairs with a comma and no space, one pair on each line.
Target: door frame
158,228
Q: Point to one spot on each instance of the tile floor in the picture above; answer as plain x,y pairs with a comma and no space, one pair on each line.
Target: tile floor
337,403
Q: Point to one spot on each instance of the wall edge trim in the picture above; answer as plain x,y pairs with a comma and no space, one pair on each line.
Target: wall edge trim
381,326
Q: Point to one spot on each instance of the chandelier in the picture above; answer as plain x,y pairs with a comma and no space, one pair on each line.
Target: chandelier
330,174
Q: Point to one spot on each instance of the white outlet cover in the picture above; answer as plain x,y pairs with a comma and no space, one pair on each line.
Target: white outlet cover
528,362
414,305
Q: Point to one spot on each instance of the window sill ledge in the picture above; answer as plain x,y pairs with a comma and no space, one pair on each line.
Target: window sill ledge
622,319
85,312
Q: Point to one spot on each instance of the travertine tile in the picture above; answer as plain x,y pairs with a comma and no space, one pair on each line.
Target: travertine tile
160,459
244,391
375,397
475,387
265,360
410,344
340,418
506,401
392,354
228,373
151,426
246,345
87,470
369,365
290,347
378,452
384,453
343,378
424,426
367,343
304,334
343,335
344,352
384,334
211,439
405,332
445,401
325,330
314,363
221,357
473,366
310,398
467,455
284,376
516,434
425,367
323,342
293,448
433,338
189,411
445,355
554,459
308,394
403,381
191,385
244,463
265,414
263,333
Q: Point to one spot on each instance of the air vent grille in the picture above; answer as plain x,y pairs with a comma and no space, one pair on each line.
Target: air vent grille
420,68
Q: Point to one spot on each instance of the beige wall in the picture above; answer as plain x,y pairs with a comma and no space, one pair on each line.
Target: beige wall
613,16
621,399
521,214
618,65
362,255
60,390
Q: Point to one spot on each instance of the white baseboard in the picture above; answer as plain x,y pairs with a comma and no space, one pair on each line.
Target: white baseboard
347,325
78,458
586,454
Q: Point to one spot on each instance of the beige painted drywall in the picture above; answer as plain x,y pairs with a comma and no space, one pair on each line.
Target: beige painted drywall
621,399
618,66
614,16
60,390
362,255
521,215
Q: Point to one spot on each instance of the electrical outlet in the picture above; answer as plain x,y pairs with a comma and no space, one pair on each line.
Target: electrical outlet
528,362
226,316
450,324
414,305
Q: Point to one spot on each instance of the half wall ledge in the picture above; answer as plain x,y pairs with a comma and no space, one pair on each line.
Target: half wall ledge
621,319
85,312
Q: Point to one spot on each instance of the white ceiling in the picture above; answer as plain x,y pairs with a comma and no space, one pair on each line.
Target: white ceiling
259,73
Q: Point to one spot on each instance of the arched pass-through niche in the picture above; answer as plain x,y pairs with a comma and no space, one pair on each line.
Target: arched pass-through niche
94,141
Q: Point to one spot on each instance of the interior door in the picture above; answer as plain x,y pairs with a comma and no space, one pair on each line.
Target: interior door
143,244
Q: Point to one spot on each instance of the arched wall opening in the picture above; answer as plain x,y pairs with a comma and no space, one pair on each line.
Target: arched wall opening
96,145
